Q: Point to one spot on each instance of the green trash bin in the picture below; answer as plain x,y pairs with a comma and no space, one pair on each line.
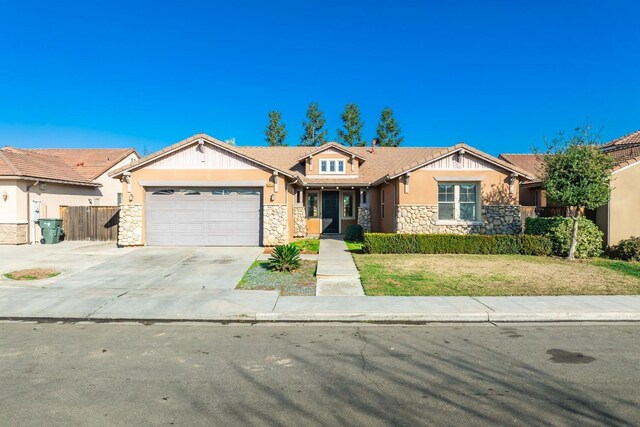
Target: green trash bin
51,230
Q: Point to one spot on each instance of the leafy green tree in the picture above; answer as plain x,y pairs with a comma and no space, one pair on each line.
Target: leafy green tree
275,132
577,174
314,132
351,134
388,133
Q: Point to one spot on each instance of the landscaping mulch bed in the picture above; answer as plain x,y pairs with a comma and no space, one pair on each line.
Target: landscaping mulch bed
299,282
32,274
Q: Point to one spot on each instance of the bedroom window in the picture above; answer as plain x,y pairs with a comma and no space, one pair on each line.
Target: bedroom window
458,202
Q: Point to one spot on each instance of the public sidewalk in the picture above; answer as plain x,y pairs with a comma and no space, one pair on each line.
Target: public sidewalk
51,304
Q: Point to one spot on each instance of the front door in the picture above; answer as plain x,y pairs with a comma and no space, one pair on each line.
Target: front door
330,212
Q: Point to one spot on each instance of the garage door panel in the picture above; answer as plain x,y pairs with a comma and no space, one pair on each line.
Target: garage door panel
186,216
212,217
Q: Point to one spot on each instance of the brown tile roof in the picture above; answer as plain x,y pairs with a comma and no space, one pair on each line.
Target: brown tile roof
36,165
532,163
374,166
90,163
625,155
631,138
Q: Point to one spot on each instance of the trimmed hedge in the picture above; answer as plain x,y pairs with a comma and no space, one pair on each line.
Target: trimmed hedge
354,233
626,250
559,229
502,244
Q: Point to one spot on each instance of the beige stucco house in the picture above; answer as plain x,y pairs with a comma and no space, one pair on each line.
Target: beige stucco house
36,182
202,191
618,218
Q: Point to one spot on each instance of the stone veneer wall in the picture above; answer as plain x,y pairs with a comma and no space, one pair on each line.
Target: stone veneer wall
299,222
13,234
364,218
130,225
496,219
275,229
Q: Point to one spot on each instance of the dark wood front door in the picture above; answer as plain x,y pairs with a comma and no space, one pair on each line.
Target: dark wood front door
330,212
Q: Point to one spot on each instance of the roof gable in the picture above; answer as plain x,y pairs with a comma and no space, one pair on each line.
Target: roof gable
465,150
333,147
193,140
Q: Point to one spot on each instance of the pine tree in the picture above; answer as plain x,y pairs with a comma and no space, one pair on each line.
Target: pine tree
352,133
314,132
388,132
275,132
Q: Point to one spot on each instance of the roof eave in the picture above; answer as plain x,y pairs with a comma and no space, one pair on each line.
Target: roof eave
52,180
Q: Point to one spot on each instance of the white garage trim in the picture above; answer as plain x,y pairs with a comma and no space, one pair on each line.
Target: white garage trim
183,184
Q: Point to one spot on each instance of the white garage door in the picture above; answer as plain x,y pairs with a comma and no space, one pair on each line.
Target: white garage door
203,216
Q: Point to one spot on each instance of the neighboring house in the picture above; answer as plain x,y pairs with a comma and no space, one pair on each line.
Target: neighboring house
36,182
202,191
618,218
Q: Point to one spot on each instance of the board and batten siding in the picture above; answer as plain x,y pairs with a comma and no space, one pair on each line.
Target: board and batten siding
202,157
460,161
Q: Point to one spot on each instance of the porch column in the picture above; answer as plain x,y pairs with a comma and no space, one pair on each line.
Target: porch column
364,211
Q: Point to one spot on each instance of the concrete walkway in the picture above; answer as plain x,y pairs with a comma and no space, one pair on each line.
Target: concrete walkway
337,274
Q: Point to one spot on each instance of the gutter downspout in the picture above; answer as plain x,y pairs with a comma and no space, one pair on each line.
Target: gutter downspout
30,228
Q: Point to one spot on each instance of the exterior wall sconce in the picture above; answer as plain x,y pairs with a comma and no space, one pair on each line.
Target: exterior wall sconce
272,198
5,196
130,197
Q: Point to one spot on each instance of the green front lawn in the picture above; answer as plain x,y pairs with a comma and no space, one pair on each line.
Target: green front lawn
493,275
299,282
355,247
628,268
308,246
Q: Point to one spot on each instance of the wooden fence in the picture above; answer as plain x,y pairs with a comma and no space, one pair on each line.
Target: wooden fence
95,223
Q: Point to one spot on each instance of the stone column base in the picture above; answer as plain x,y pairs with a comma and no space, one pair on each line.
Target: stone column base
299,222
364,218
14,234
275,225
130,225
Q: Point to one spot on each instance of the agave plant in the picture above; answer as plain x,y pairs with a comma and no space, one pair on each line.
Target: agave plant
285,258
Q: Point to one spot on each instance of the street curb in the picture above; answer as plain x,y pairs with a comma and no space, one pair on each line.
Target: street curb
382,318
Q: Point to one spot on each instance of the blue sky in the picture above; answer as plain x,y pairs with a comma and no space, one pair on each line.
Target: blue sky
499,75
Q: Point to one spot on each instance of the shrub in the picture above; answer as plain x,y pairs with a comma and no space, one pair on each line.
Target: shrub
284,258
627,250
354,233
559,230
387,243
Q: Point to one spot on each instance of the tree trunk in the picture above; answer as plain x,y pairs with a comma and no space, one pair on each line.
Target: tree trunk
574,236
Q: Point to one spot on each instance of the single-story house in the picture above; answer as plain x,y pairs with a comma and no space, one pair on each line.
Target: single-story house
617,219
34,183
202,191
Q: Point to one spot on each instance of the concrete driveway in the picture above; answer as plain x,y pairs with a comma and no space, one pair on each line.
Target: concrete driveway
103,265
99,279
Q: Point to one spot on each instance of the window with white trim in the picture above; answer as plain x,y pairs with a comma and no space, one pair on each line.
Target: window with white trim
332,166
348,200
458,202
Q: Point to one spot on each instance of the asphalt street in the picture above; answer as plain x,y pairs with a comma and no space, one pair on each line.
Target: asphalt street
315,374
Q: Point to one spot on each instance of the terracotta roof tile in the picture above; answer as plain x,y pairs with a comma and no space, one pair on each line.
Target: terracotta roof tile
90,163
631,138
532,163
33,164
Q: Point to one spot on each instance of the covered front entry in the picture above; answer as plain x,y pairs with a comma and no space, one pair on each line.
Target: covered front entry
203,216
330,212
